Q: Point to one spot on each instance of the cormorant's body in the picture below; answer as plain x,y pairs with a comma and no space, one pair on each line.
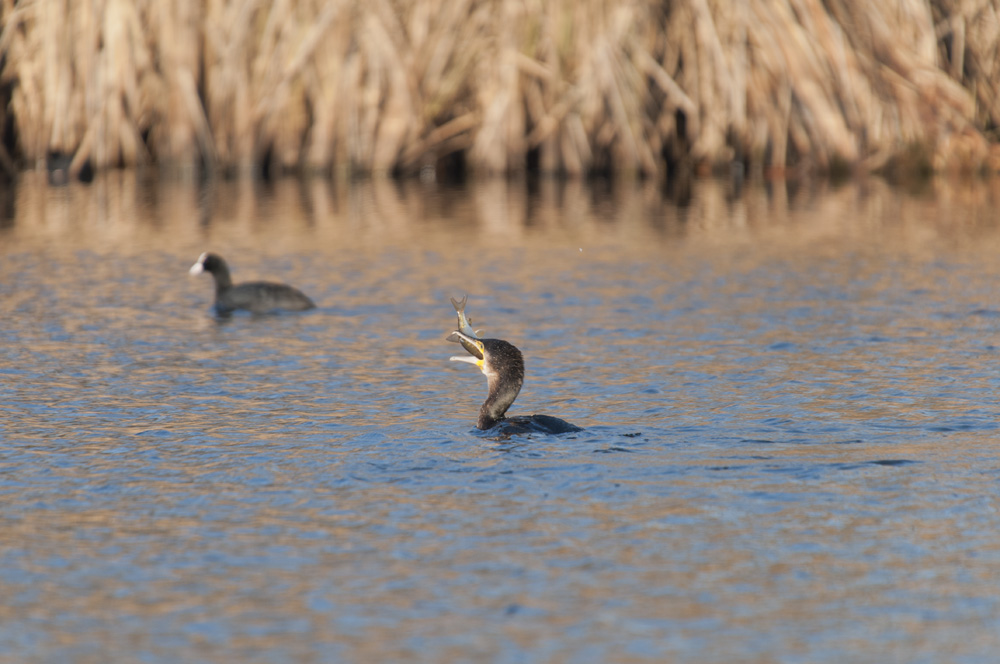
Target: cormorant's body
258,297
521,424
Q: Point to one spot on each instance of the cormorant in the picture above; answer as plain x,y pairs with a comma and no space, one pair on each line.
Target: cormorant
503,366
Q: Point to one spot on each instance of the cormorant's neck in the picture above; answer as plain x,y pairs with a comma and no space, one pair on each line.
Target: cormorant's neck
503,391
504,369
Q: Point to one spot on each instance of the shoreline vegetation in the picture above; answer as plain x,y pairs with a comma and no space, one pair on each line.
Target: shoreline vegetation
637,88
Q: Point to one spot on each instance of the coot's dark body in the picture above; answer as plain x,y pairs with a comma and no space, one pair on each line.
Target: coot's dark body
259,297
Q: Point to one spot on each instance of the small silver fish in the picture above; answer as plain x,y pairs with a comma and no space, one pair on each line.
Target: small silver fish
464,324
465,334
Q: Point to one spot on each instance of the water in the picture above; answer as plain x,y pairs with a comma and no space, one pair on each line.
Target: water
789,398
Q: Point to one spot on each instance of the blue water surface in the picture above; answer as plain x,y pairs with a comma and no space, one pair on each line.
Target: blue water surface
789,402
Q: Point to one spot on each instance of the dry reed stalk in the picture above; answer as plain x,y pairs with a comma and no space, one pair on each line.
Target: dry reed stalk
395,85
83,74
968,34
182,135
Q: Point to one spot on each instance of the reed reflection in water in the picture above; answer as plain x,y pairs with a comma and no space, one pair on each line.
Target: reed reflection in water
789,396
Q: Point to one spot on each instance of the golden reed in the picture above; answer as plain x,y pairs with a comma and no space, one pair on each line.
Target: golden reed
568,86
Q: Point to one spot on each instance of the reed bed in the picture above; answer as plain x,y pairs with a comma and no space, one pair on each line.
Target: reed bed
396,86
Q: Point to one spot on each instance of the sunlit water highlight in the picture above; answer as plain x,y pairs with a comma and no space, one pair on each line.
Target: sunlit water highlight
789,398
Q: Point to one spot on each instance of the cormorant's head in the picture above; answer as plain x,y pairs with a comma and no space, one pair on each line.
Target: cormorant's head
475,347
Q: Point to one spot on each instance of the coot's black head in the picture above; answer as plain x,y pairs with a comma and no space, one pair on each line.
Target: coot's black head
214,265
209,262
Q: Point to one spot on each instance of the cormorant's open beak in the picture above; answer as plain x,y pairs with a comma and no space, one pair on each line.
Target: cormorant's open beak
475,347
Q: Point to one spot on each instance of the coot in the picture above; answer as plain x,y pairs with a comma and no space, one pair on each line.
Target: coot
259,297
